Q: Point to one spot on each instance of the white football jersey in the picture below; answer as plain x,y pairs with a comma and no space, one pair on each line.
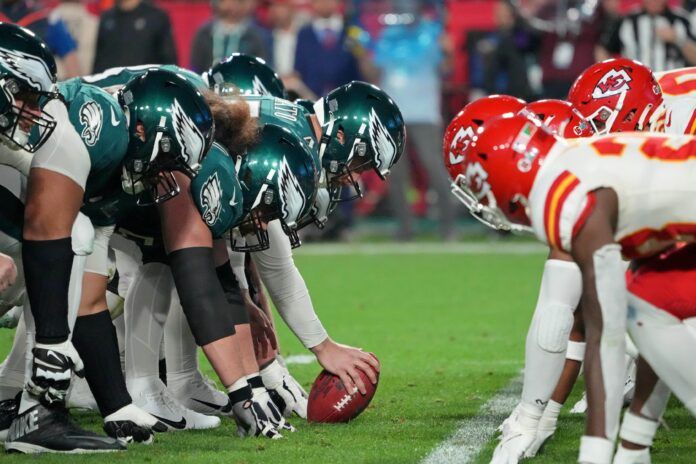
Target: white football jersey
679,94
654,177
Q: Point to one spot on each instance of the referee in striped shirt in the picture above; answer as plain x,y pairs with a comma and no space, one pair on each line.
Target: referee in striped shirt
656,35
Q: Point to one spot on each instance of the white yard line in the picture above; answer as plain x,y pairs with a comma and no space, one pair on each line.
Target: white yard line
474,248
472,434
300,359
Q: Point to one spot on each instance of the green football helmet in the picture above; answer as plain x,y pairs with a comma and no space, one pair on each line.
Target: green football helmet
306,104
279,180
171,129
362,128
245,75
27,84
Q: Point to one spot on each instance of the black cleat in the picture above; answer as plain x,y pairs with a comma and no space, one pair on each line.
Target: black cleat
8,412
44,430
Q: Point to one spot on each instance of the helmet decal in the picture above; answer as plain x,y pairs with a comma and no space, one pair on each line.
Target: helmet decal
29,68
187,134
292,198
382,143
463,136
477,179
259,88
612,83
211,194
92,118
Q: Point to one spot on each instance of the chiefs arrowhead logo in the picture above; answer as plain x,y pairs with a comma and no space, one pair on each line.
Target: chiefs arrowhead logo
612,83
460,142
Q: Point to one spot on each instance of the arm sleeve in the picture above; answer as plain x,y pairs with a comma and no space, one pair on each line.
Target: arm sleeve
237,263
287,288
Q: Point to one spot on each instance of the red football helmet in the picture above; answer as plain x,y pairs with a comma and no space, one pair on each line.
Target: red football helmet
463,128
561,117
618,95
500,166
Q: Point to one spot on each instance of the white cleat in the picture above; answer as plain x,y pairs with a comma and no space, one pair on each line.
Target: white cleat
80,396
152,396
626,456
196,392
581,406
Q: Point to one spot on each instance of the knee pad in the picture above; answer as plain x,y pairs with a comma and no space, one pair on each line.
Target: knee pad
638,430
555,323
575,351
82,235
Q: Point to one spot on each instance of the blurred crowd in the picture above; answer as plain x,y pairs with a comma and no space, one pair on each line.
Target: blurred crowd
413,49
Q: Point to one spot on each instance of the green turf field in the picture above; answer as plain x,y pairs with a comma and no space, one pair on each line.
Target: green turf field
449,330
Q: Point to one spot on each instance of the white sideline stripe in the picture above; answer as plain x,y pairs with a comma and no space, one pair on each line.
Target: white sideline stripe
300,359
477,248
472,434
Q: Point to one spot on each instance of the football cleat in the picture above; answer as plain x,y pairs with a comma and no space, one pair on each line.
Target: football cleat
130,423
50,430
8,412
152,396
80,396
196,392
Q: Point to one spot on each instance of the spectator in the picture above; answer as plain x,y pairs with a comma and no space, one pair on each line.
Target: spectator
83,27
505,69
282,16
230,30
47,26
657,35
411,59
323,60
132,33
568,32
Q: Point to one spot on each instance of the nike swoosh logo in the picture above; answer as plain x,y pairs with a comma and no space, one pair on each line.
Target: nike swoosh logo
181,425
233,203
52,353
223,409
114,119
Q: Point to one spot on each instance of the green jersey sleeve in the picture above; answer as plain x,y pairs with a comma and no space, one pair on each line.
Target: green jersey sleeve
100,121
217,193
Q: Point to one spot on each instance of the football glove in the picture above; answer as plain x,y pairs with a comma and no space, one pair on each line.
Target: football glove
252,420
287,394
52,367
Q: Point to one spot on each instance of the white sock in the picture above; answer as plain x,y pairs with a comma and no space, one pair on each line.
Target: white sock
561,286
146,308
180,347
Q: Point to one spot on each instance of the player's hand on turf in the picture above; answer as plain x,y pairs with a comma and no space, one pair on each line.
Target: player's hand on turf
262,331
252,420
346,362
8,272
285,391
52,368
264,400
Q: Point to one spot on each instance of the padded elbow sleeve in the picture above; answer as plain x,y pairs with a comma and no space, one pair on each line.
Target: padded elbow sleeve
202,298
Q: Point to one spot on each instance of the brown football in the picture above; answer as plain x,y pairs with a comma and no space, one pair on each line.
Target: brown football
329,401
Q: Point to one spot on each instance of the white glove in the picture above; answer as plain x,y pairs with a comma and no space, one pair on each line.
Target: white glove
252,420
51,370
285,391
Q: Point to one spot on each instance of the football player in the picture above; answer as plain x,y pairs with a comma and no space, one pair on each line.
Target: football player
572,204
38,127
355,128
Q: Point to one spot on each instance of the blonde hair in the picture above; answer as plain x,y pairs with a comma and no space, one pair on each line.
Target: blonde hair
235,129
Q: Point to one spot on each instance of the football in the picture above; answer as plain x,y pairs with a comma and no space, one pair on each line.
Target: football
330,402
